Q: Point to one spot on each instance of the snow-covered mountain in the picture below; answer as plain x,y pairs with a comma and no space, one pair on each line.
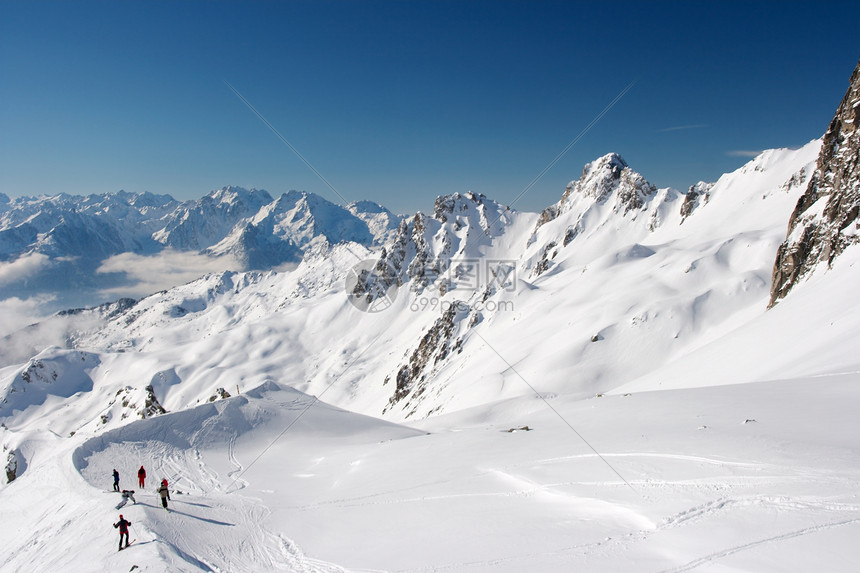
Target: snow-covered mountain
66,239
600,386
620,266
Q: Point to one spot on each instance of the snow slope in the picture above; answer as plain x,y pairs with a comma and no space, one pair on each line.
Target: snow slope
748,477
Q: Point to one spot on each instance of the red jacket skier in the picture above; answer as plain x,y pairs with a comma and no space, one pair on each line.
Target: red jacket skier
141,476
123,530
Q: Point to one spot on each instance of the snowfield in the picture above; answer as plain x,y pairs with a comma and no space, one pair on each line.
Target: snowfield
619,398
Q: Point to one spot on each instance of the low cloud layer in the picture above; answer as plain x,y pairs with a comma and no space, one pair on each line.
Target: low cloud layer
147,274
18,313
22,268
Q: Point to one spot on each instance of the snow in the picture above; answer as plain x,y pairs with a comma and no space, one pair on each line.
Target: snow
675,423
775,494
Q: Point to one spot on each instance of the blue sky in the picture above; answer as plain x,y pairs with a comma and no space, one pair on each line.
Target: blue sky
399,102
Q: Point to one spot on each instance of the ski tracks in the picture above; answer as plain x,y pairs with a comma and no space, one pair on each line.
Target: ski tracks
236,481
228,534
776,538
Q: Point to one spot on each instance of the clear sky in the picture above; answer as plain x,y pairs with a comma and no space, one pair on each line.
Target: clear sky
399,102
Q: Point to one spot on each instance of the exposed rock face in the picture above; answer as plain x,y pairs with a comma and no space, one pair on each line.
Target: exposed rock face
151,405
11,466
698,195
825,221
434,348
424,247
220,394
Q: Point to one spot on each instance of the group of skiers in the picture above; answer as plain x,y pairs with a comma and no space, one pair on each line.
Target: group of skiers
127,494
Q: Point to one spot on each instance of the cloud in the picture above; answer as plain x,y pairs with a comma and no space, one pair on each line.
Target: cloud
22,268
680,127
152,273
30,325
19,313
744,153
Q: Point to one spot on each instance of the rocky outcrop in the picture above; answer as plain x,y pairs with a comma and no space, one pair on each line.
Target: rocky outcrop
220,394
825,221
151,405
11,466
435,346
696,196
425,248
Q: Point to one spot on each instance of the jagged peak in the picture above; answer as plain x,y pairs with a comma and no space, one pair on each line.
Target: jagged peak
457,202
365,206
602,178
232,194
605,175
611,161
150,199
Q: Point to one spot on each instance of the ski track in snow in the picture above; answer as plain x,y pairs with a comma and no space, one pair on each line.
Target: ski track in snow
231,532
625,541
236,480
209,530
746,546
205,528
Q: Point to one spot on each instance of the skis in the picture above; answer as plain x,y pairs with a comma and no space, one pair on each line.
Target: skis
127,544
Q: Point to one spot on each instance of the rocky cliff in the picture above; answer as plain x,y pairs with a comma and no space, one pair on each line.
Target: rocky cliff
825,221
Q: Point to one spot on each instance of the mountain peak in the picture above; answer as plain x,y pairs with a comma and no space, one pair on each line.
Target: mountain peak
446,205
232,195
605,177
608,174
611,161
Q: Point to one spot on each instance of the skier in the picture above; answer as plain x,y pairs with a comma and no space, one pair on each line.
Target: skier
123,530
164,493
115,480
126,494
141,476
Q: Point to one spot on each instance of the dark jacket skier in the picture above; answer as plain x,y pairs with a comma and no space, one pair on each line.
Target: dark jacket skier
164,493
141,476
115,480
123,529
126,495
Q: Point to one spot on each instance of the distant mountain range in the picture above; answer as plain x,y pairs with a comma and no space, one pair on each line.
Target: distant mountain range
65,239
